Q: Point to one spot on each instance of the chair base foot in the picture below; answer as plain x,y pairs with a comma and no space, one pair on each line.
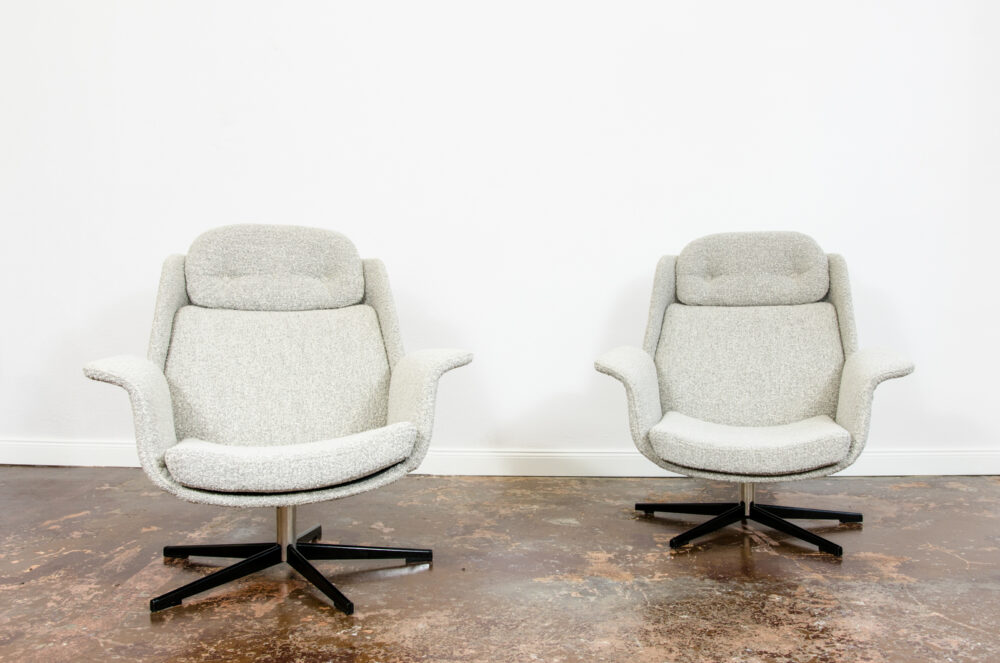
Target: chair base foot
259,556
773,516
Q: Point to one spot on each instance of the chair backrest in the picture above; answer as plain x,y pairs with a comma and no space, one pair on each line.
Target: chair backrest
276,345
752,339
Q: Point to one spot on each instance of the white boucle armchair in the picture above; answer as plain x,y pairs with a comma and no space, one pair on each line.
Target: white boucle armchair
750,373
276,377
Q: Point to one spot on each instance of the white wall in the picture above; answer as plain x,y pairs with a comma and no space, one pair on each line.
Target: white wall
520,167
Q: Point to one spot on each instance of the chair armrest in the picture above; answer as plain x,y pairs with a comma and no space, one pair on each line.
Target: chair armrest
635,369
152,406
863,371
413,390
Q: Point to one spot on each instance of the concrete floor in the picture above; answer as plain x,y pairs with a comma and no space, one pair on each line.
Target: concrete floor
526,569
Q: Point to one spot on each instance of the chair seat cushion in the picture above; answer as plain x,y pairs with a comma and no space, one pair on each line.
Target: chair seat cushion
288,467
750,450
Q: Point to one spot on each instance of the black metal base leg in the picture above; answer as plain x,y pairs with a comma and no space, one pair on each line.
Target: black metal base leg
262,559
337,551
812,514
725,518
700,508
312,574
765,517
242,550
310,535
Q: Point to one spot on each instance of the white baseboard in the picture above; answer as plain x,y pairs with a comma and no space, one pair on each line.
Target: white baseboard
71,453
525,462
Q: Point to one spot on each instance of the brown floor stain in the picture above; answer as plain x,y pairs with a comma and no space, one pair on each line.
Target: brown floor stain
526,569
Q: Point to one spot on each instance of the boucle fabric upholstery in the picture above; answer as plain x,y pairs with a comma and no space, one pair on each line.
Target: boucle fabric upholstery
750,365
752,269
737,379
260,377
273,268
152,412
635,369
289,467
770,450
379,297
298,382
170,297
152,409
840,297
664,294
413,390
863,371
154,433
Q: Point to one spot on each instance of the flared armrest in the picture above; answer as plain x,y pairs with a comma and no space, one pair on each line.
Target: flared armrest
635,369
863,371
152,406
413,390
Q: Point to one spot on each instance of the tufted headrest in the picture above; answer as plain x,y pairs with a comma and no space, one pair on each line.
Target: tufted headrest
752,269
273,268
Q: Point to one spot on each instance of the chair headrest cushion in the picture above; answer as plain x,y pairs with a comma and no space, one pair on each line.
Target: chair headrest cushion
752,269
273,268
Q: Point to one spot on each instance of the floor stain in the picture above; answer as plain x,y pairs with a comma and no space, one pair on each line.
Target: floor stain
525,569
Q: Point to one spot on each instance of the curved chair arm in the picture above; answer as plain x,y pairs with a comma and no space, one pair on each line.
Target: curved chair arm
863,371
413,389
635,369
152,408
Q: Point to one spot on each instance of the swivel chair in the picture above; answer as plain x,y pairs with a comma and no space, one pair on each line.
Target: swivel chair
750,373
276,377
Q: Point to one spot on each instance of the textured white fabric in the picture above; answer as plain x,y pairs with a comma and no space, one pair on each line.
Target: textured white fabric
770,367
284,377
863,371
750,365
379,297
152,410
635,369
256,377
154,434
752,269
273,268
154,427
769,450
289,467
664,294
840,297
170,297
413,389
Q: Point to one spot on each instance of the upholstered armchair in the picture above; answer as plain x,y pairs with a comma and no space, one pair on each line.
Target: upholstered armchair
276,377
750,372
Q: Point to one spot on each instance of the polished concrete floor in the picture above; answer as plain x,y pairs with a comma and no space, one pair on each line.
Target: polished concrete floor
526,569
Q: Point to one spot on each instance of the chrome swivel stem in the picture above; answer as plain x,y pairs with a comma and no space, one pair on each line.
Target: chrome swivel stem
286,529
747,491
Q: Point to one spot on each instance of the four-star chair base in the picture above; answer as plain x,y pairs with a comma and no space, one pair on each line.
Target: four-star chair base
296,551
770,515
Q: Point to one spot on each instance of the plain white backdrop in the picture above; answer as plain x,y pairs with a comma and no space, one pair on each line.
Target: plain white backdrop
520,167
